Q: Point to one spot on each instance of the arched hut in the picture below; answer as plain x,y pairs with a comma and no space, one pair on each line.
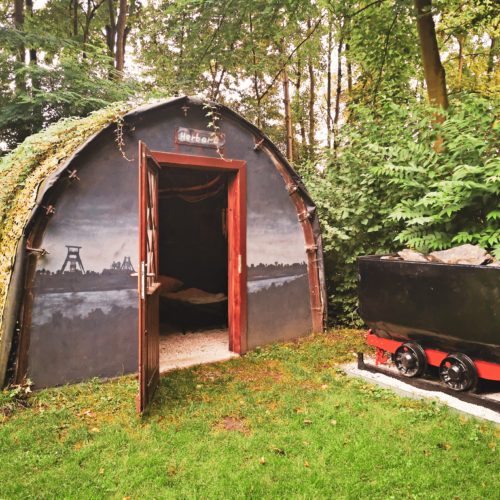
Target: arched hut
178,213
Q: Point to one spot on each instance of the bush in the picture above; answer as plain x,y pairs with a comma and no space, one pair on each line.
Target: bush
386,188
461,201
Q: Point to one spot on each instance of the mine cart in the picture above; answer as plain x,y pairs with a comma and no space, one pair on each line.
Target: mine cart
429,314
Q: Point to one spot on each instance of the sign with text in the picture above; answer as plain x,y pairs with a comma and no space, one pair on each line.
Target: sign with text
203,138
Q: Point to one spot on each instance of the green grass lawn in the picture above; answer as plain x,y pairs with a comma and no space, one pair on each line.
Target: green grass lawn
281,422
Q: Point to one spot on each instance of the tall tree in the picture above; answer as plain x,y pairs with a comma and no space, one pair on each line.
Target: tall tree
20,49
121,26
338,92
32,50
491,56
312,100
244,56
329,86
435,77
288,115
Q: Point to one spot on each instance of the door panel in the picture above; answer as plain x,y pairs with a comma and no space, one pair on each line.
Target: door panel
149,287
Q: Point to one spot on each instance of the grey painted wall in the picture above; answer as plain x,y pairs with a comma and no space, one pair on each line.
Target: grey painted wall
85,324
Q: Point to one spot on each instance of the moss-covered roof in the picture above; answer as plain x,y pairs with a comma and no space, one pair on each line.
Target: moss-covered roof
25,168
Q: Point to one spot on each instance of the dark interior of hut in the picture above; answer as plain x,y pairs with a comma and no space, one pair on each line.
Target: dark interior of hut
193,258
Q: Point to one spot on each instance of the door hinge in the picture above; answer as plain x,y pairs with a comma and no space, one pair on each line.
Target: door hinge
305,215
239,264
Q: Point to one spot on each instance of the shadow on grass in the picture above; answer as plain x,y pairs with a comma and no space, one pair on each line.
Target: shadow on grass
175,391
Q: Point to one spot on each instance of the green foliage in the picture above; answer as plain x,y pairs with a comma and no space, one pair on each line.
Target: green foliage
387,188
382,46
233,54
470,25
65,83
456,198
354,202
383,188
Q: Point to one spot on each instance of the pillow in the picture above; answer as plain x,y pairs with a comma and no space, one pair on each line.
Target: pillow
169,284
195,296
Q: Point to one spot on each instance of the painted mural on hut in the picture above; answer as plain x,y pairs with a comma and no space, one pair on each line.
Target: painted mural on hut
278,284
84,316
84,321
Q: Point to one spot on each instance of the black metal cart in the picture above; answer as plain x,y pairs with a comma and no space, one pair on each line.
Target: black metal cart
426,313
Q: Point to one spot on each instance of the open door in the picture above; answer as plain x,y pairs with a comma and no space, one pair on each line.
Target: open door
149,286
237,234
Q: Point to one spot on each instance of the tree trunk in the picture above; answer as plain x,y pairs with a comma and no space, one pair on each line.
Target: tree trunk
32,51
491,57
329,89
35,81
18,14
288,116
219,83
435,77
256,78
21,49
120,39
36,121
460,40
216,78
111,36
312,102
86,27
300,113
349,68
74,15
338,94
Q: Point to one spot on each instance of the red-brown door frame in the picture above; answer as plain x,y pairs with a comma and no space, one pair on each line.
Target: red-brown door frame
237,235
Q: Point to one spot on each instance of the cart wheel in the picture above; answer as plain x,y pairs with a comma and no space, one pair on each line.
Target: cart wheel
410,360
458,372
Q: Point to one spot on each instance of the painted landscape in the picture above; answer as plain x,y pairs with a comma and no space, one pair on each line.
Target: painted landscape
72,312
263,277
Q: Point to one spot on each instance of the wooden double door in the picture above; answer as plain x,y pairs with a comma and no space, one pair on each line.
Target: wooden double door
150,165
